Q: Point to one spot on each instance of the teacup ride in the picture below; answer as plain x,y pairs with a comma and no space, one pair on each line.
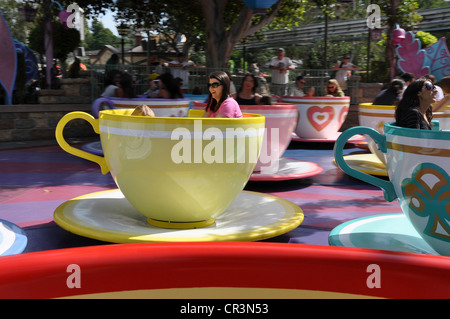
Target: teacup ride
281,119
375,116
179,179
224,270
320,118
161,107
13,239
418,167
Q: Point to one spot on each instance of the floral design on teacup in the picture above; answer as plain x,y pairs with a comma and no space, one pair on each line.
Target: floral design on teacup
320,117
427,193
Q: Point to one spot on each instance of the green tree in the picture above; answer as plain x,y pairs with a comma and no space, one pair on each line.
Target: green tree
98,36
65,40
215,24
16,24
426,39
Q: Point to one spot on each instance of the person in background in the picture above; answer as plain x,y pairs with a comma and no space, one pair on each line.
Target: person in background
126,88
445,101
168,88
333,89
280,66
265,100
153,87
391,95
221,104
179,69
112,64
415,109
408,78
247,93
297,90
310,91
112,84
344,71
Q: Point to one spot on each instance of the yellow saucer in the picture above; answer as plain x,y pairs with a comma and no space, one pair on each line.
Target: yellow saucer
366,163
108,216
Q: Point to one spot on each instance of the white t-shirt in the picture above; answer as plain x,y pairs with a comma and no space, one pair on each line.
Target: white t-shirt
179,72
341,75
277,76
110,91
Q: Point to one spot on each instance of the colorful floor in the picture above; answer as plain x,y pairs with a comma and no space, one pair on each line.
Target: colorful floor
34,181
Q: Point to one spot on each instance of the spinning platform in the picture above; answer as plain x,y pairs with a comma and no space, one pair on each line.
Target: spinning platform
289,168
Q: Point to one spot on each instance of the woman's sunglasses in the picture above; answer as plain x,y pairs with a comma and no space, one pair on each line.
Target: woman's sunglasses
215,85
429,86
331,87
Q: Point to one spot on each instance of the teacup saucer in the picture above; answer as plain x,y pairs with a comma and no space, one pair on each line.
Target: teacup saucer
367,163
93,147
108,216
289,168
12,239
354,139
385,232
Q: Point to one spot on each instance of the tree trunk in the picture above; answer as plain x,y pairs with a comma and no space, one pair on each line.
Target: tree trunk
390,47
220,40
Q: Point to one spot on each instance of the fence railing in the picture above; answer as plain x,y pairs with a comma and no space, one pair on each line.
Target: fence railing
198,79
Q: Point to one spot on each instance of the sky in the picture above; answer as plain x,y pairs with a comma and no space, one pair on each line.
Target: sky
108,22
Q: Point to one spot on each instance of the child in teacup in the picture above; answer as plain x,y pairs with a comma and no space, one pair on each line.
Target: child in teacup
415,109
143,110
221,104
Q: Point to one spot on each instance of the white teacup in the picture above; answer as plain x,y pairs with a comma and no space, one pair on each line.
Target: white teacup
161,107
319,117
375,116
281,119
418,164
179,172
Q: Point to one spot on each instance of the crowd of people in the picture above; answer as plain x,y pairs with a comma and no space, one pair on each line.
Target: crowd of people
415,99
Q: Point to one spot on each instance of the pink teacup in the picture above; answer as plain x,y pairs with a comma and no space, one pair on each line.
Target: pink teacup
281,120
320,117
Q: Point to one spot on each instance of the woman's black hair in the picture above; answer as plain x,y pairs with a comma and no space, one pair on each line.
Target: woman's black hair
396,86
171,85
223,78
255,81
126,83
411,100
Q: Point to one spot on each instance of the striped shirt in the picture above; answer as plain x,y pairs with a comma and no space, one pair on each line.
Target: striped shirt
414,119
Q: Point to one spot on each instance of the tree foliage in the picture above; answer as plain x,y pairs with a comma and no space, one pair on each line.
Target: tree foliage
97,36
65,40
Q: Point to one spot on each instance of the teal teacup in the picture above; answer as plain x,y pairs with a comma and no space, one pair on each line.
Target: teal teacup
418,165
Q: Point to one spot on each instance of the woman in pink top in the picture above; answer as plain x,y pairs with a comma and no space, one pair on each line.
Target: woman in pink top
221,104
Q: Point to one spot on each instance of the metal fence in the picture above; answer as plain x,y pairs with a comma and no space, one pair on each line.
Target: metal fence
198,79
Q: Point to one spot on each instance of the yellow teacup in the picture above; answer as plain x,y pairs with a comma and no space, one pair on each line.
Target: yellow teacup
178,172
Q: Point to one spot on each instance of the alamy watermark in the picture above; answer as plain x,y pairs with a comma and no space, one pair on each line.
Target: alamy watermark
74,19
374,19
234,145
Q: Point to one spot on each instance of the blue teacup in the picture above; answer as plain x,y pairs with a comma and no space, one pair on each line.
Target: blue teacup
418,165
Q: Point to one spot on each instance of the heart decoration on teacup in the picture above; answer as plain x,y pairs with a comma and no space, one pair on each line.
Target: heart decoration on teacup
343,115
320,117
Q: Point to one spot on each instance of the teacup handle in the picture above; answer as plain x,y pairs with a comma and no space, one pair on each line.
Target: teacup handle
75,151
98,102
386,186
